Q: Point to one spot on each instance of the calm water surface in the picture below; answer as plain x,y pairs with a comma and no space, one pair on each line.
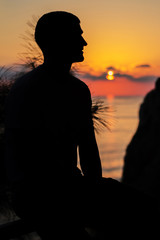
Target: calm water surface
112,144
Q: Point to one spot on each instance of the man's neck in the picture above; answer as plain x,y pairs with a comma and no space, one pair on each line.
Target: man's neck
57,66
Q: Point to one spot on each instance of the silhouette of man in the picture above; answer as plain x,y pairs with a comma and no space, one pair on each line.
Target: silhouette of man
48,115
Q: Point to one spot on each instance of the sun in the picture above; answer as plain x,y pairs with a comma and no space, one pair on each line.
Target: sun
110,75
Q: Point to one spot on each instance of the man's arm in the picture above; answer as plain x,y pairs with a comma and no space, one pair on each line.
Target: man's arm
88,151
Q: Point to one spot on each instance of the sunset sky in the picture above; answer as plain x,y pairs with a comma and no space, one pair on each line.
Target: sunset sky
123,37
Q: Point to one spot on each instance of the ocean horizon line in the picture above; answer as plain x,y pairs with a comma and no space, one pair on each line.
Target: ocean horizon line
118,96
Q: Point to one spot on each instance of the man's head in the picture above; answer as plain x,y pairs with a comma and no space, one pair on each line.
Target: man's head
59,36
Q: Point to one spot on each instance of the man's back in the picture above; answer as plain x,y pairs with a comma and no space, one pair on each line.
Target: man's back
47,114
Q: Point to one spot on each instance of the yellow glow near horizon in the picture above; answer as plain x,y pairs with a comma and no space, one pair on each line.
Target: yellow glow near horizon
115,39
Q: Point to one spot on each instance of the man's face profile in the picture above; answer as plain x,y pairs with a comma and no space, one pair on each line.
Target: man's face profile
70,44
77,44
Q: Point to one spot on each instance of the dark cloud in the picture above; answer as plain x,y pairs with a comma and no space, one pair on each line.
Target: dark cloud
94,77
149,78
102,77
111,68
143,66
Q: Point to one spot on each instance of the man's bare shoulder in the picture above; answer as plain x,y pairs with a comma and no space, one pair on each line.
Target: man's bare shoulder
81,85
27,80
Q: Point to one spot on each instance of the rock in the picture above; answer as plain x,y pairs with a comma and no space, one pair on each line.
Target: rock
142,158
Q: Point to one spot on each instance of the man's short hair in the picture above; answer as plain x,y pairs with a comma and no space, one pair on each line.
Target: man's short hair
54,26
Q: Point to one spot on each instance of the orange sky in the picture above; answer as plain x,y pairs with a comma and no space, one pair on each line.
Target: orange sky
121,34
136,82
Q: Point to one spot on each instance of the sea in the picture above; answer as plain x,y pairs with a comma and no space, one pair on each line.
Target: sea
122,117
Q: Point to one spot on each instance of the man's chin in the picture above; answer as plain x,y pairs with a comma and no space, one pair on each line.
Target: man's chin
79,59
